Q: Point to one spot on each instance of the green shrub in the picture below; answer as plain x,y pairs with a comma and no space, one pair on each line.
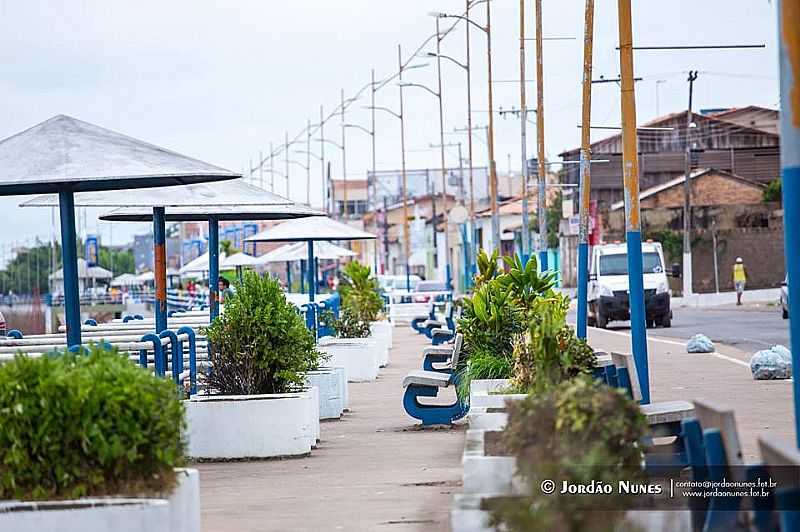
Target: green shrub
87,425
348,325
579,431
773,191
550,352
260,343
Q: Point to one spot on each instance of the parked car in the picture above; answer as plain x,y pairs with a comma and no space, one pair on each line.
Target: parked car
397,283
430,286
785,298
609,291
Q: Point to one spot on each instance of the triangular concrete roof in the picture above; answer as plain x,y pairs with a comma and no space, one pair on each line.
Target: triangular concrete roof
311,228
64,152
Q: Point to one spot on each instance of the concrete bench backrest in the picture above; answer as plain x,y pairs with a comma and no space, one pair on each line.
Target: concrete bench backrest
713,416
776,455
456,350
625,361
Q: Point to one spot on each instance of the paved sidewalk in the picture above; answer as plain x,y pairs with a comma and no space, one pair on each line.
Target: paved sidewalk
761,407
368,473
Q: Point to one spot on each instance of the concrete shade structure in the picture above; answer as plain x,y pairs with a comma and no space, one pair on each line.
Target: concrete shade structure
64,156
310,230
233,200
297,251
260,205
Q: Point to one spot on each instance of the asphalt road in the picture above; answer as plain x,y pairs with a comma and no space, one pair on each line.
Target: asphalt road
749,327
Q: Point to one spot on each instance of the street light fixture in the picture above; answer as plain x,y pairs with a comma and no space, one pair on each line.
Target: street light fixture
487,30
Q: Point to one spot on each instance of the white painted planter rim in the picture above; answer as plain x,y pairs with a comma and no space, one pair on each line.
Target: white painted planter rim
330,340
257,397
75,504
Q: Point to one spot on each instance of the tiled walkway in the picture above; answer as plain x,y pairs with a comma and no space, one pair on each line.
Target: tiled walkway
369,472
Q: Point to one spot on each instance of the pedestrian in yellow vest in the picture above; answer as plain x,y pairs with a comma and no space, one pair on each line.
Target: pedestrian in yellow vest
739,279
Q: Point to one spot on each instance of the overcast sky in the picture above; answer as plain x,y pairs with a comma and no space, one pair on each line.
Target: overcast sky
221,80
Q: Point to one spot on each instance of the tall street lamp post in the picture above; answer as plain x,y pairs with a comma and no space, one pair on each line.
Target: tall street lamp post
492,166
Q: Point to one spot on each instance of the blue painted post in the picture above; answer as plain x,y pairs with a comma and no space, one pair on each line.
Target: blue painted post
160,267
543,256
585,172
630,177
302,277
69,259
192,358
288,276
789,32
408,276
467,263
312,289
213,267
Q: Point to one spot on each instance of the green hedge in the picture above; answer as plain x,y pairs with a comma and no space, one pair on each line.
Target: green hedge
87,425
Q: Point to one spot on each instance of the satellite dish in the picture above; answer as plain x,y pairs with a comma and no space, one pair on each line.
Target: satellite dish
458,215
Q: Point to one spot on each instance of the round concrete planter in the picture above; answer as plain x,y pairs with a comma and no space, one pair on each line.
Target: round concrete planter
252,426
331,384
179,513
382,332
358,356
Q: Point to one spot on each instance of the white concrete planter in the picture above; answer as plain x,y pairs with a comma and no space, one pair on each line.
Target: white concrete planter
486,474
482,393
124,514
358,356
252,426
382,332
466,514
184,503
486,419
330,383
86,515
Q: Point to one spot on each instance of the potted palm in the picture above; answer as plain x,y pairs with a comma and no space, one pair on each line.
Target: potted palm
91,442
255,405
355,346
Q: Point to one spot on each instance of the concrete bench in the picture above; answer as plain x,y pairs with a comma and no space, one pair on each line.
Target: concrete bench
714,453
441,354
781,464
417,321
664,418
426,383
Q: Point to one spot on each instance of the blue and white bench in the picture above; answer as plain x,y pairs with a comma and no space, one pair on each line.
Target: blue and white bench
426,383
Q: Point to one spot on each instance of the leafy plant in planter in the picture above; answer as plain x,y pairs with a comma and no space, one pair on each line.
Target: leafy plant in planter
348,325
87,425
497,315
260,344
579,431
550,352
524,283
360,292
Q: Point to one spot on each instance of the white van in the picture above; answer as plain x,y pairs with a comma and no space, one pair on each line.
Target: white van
608,285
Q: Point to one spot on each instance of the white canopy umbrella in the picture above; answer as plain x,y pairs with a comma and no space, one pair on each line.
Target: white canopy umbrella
84,272
238,260
309,230
198,265
299,251
126,279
